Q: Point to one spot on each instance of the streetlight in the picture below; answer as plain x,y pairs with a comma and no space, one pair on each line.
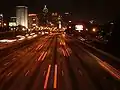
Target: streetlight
5,24
34,19
86,29
94,29
70,27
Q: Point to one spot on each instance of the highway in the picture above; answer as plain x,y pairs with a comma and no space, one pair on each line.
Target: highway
56,62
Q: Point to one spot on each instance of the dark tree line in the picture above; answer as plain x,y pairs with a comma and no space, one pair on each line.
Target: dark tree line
114,40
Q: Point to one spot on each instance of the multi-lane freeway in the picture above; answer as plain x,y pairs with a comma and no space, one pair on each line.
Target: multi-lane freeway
56,62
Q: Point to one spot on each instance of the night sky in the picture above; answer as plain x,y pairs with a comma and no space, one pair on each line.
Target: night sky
101,10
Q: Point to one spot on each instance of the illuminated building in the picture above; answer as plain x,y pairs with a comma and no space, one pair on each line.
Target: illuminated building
60,26
55,14
33,20
1,20
45,15
22,16
59,22
12,22
54,18
45,10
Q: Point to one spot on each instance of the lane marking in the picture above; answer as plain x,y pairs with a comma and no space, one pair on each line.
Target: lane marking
47,76
55,77
38,47
67,52
6,63
44,56
14,59
9,74
40,56
27,73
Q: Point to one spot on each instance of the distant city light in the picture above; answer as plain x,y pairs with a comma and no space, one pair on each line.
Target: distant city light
112,23
12,24
94,29
78,27
66,13
5,24
34,24
28,29
1,15
11,29
56,14
23,29
42,33
86,29
70,27
32,15
33,19
60,26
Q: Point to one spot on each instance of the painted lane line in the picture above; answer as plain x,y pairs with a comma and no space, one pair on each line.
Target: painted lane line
38,47
6,63
47,76
27,73
44,56
67,52
40,56
9,74
55,78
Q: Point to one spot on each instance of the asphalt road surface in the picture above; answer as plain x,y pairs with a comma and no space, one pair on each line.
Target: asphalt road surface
56,62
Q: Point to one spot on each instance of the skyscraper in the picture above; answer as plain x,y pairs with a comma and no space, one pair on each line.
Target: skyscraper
12,22
33,20
1,20
45,10
45,15
22,16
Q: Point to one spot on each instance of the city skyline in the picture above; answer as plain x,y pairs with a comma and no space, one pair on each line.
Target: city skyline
100,10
